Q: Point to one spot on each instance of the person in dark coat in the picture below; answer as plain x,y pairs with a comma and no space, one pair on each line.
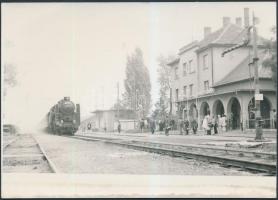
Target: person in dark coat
194,125
119,127
215,124
142,124
274,118
186,126
152,126
167,126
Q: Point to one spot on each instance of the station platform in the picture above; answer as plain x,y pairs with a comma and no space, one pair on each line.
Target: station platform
231,139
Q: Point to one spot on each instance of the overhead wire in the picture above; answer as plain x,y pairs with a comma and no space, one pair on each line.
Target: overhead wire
236,37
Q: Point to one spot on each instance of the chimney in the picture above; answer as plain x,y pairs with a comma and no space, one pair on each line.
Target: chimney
246,17
239,21
207,31
226,21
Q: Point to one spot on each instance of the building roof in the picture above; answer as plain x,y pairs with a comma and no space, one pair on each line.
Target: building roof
111,110
188,47
171,63
88,119
243,72
229,35
226,36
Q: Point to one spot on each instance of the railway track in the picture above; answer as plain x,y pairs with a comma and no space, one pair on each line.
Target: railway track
24,154
247,160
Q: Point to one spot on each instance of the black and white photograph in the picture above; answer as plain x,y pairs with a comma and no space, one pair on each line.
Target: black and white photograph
138,99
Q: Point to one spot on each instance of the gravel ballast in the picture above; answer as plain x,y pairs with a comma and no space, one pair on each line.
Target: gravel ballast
79,156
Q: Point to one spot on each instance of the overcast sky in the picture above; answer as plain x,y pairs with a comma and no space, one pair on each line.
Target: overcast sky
79,49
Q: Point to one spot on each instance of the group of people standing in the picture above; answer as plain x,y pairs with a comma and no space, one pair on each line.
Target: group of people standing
165,125
209,124
212,123
184,125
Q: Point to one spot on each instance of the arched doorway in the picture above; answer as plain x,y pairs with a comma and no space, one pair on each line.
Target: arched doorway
204,110
193,112
265,108
218,108
234,114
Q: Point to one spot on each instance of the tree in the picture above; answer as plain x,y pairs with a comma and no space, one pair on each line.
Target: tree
137,84
271,61
9,77
163,103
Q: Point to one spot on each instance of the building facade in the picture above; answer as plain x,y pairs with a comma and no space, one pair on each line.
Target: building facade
204,82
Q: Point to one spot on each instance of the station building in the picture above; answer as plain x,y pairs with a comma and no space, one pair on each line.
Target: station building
108,119
202,81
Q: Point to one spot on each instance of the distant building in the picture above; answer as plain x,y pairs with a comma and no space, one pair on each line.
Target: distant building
9,129
205,82
108,119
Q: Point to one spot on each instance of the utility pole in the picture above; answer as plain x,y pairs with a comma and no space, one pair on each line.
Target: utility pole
259,130
258,97
134,99
118,100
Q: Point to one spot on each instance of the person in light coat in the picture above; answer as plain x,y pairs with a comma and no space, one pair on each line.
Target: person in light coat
205,124
210,125
224,123
219,121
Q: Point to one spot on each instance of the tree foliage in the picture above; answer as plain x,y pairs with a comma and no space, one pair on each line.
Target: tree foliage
162,106
137,84
271,61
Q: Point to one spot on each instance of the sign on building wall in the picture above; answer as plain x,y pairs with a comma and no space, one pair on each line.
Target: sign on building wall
259,97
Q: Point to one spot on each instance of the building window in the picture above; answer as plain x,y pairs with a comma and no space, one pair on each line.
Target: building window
191,67
184,91
191,90
177,94
184,69
176,73
205,61
206,85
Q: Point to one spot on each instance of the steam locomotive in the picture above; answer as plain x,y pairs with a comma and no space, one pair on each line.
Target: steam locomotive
64,117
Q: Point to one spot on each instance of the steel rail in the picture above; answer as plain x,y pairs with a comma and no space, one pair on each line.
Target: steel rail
51,164
6,145
269,167
240,152
29,158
